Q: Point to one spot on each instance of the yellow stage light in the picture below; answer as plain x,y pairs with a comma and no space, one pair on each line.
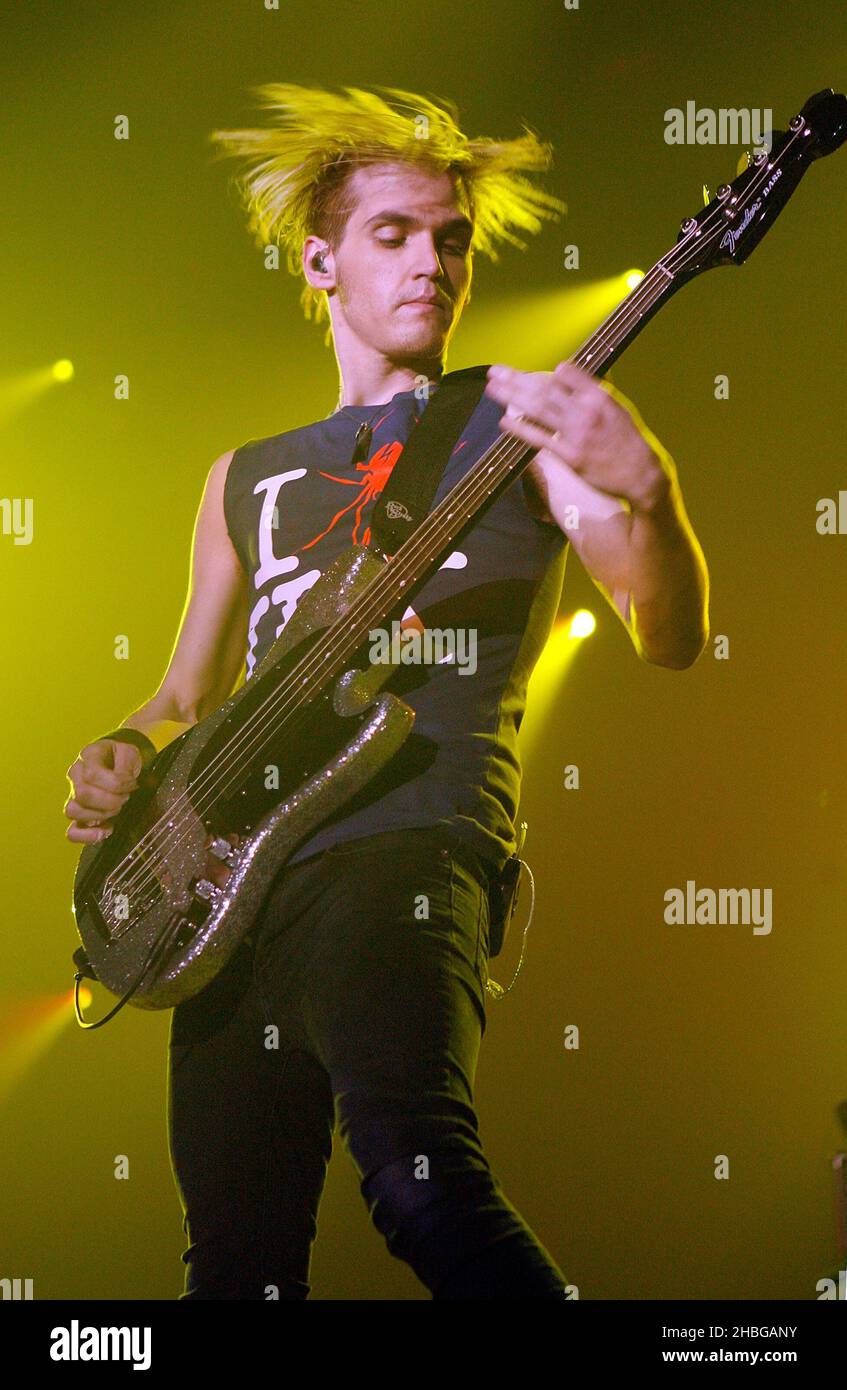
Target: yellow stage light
549,679
63,370
536,330
28,1029
582,624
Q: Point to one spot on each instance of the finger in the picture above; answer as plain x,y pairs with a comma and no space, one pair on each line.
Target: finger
86,805
89,766
112,756
600,398
535,435
97,801
575,379
126,759
513,386
597,401
93,774
80,834
541,398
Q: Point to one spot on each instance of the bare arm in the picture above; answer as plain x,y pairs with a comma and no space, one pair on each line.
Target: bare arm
208,654
646,561
204,668
612,487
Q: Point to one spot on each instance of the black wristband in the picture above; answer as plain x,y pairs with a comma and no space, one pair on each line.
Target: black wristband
145,745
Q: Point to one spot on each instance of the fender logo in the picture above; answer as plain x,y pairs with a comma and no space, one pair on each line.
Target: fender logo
733,235
395,511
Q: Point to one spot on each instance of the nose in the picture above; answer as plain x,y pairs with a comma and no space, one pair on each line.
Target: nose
428,259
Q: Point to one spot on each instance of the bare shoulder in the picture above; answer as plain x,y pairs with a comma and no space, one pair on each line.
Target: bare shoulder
218,473
211,532
209,651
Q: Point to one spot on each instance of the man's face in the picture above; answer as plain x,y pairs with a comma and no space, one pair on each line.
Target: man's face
408,238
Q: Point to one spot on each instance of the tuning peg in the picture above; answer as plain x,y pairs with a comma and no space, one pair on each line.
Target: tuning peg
707,195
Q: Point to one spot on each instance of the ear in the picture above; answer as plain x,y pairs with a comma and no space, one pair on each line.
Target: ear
314,248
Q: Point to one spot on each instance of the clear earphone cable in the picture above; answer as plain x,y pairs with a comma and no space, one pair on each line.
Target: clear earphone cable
491,987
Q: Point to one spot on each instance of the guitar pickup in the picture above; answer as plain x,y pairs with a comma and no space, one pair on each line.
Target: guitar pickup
205,892
224,851
205,889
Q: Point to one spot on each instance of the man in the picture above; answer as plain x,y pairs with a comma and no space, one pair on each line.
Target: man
359,995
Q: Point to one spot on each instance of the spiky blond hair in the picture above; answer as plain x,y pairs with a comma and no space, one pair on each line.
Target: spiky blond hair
295,178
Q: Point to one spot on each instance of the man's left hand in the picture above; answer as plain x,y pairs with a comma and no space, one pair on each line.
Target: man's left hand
590,426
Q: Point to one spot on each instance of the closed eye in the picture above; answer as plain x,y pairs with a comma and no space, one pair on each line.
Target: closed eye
459,248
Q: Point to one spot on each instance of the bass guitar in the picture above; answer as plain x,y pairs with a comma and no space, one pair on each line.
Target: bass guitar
155,926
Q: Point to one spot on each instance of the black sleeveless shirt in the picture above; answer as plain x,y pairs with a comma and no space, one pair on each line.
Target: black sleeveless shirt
294,501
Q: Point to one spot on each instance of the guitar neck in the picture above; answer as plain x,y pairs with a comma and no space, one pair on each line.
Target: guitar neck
403,574
502,463
725,232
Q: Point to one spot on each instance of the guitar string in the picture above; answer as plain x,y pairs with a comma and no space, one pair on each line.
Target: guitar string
146,871
510,450
624,311
481,481
676,257
259,734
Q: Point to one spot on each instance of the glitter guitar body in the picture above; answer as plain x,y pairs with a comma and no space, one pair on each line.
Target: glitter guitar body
234,796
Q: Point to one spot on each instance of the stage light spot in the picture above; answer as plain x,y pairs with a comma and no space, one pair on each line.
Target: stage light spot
583,623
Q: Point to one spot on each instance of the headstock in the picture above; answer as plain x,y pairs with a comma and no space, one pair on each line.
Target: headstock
733,223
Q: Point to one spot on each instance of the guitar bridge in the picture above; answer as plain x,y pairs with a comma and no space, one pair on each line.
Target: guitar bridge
206,894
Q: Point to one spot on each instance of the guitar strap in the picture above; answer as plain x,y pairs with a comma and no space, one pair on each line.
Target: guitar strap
402,506
407,496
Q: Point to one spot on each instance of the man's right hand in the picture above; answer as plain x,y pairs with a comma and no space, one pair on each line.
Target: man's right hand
103,778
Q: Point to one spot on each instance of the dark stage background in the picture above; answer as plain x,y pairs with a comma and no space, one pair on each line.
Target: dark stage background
133,257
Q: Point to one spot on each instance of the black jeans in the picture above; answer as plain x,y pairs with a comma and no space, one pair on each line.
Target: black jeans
358,997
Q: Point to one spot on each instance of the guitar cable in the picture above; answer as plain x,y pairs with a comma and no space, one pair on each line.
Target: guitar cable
678,257
85,970
512,869
495,990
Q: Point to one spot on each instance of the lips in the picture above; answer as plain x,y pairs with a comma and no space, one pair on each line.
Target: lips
433,303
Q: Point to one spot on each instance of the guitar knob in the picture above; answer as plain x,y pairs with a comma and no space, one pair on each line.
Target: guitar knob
222,850
205,890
